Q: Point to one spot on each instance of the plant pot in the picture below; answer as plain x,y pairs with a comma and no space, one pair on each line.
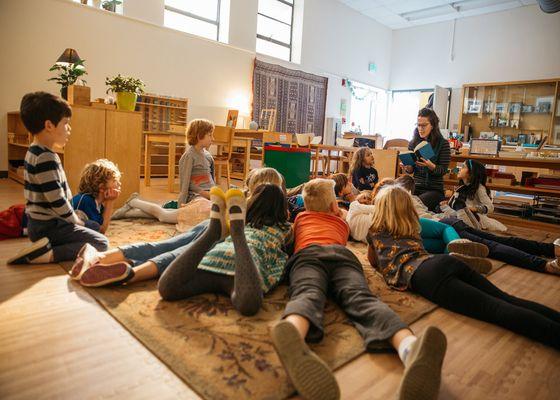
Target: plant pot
64,92
126,101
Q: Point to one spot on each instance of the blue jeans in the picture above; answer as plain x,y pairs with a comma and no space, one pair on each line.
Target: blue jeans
436,235
162,253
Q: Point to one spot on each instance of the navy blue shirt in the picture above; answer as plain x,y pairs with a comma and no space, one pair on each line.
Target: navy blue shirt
86,203
365,178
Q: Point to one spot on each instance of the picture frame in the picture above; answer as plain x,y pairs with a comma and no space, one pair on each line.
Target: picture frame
500,108
484,147
515,108
489,106
527,108
544,104
231,120
474,107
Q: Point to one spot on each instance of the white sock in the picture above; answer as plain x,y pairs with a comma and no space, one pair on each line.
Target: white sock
405,346
43,258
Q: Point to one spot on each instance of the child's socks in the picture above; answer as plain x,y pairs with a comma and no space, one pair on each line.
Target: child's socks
247,294
405,346
218,226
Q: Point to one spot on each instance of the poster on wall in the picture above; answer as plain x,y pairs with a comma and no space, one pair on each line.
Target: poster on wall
343,110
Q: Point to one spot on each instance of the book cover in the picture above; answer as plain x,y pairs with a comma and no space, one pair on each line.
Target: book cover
422,150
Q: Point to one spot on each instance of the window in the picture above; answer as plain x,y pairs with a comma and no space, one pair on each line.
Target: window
109,5
403,112
367,108
274,28
201,18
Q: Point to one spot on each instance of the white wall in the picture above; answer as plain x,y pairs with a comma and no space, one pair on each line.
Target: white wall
518,44
336,42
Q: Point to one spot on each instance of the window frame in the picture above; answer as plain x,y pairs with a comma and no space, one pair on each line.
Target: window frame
198,17
291,25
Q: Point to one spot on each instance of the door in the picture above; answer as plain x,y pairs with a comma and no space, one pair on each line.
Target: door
441,105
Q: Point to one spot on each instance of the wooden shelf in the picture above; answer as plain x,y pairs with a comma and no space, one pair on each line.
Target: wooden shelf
160,105
13,175
512,188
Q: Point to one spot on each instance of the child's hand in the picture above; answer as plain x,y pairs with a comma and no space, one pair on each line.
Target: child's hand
443,202
112,194
473,209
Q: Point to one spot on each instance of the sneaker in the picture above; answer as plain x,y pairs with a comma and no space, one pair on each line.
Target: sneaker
553,267
25,256
478,264
106,274
468,248
120,212
309,374
87,256
422,373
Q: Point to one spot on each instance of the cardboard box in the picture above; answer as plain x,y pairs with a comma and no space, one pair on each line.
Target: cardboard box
79,95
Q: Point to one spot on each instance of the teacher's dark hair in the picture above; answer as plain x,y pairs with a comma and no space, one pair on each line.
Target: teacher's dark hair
435,135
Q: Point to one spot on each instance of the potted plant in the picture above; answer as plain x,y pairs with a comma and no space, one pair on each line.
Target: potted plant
127,90
111,5
68,74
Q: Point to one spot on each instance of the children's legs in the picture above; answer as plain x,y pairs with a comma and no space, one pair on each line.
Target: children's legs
144,272
436,235
528,246
172,283
460,296
163,215
300,323
434,246
247,295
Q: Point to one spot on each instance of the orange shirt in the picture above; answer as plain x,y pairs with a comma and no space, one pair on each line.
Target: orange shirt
311,227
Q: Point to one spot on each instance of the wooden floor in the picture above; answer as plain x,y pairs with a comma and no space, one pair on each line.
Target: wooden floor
57,342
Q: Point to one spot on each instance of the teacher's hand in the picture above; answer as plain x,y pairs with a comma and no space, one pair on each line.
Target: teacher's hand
426,163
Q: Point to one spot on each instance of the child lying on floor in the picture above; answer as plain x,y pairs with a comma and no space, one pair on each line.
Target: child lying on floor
322,264
248,263
523,253
99,187
446,280
150,260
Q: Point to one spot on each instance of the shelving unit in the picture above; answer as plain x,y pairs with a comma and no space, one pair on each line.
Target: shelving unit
518,112
162,114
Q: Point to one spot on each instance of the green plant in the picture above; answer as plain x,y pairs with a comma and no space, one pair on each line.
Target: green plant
121,83
110,5
68,74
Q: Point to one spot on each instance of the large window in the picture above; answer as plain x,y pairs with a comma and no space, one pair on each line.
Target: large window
367,108
199,17
274,28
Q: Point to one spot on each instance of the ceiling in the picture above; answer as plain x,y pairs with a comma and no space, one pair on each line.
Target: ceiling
397,14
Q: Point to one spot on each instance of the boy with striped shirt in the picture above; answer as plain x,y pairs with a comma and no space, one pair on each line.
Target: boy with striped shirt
57,232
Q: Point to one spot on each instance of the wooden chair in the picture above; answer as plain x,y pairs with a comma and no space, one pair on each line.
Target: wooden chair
398,144
342,157
223,139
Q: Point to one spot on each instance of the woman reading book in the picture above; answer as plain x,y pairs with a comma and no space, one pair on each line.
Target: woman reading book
428,173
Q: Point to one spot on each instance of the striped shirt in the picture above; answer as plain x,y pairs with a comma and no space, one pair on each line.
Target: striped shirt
46,191
196,174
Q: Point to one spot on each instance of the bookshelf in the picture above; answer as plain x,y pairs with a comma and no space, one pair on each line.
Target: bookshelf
518,112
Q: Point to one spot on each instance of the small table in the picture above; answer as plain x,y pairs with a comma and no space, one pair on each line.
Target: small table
173,139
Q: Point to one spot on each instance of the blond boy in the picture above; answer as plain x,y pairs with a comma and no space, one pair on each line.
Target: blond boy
322,265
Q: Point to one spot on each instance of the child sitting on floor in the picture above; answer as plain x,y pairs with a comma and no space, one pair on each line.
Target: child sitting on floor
364,175
396,251
473,197
99,187
248,263
343,190
149,259
196,177
53,226
322,264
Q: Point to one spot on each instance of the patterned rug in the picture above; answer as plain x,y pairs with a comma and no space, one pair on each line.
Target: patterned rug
299,98
217,352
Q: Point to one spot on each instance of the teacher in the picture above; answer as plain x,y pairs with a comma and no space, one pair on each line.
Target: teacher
428,174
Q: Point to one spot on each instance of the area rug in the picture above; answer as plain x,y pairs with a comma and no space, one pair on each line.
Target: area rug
219,353
299,98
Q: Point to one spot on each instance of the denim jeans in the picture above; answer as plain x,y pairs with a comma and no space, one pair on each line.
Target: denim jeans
162,253
435,235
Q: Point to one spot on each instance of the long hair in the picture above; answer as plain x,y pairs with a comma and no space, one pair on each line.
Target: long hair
477,172
340,182
380,185
358,159
394,213
267,206
435,135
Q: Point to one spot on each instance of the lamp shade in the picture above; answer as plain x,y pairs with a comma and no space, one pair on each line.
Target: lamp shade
69,56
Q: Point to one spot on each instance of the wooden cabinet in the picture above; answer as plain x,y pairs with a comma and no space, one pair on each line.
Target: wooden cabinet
522,112
96,133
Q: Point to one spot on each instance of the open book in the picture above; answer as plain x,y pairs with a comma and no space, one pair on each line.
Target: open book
422,150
